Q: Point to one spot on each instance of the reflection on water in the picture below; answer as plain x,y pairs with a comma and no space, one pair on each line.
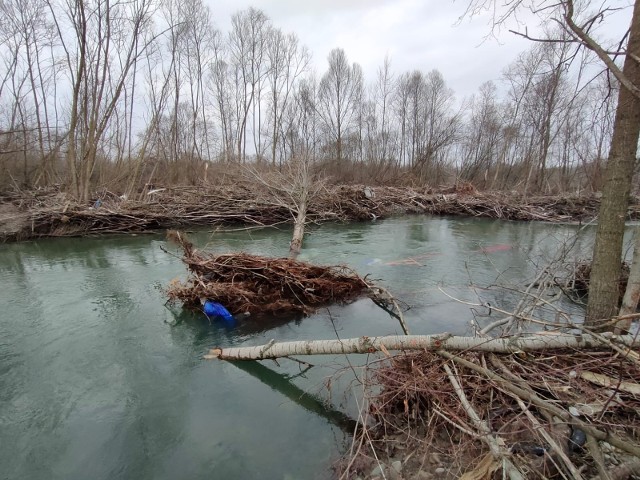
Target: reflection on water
100,380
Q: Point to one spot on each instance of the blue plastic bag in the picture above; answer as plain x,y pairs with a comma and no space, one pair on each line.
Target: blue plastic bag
216,310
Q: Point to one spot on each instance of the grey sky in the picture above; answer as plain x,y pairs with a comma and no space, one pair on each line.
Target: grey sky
416,34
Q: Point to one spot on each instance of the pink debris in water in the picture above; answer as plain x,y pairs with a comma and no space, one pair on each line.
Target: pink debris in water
413,260
417,260
495,248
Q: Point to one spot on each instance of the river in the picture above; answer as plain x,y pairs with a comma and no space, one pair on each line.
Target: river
99,379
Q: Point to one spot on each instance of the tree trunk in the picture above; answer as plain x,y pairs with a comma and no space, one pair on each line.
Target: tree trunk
298,230
632,293
298,226
607,252
443,341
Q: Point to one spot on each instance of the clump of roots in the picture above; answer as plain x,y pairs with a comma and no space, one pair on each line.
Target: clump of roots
261,285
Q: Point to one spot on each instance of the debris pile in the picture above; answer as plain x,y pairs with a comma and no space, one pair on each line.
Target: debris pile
549,414
582,279
258,285
49,213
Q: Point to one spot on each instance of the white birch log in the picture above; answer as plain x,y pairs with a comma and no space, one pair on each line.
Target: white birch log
443,341
632,293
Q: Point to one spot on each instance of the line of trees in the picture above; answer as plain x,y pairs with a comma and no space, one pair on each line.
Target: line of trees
114,92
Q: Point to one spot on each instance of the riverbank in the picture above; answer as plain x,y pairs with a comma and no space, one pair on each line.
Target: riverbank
51,213
557,413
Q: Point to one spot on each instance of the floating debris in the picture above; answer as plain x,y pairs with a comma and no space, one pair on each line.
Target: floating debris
261,286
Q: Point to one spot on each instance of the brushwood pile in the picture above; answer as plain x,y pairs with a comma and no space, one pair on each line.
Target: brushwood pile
260,286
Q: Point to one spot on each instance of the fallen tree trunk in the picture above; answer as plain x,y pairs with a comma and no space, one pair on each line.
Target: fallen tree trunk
444,341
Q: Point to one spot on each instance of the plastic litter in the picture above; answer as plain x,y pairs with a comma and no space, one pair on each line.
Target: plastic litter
216,310
577,440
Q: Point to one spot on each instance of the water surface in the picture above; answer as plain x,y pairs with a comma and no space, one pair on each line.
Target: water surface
98,379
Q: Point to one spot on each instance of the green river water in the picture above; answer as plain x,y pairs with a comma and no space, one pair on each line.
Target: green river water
99,380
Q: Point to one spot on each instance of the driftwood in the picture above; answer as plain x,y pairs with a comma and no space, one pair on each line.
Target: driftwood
534,342
261,286
541,414
51,213
496,447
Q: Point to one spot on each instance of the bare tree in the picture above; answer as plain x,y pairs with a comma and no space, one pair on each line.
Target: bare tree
402,105
300,124
158,86
482,138
107,38
28,42
383,97
287,62
600,101
198,48
293,188
441,124
338,95
221,88
177,27
579,27
539,88
428,124
247,52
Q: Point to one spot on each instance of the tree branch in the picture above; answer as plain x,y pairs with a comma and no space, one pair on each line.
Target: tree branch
495,445
591,44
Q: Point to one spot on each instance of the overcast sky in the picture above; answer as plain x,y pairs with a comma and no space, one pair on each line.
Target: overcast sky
416,34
